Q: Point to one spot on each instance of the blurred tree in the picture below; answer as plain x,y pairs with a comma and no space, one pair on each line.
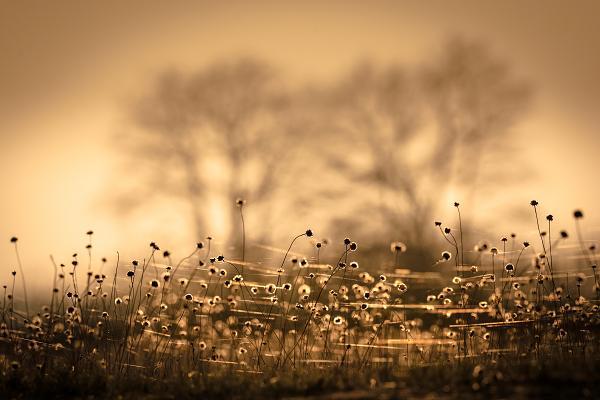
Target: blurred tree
411,137
228,131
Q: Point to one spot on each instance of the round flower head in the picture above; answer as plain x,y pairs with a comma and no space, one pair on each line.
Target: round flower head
304,289
397,247
446,255
402,287
270,288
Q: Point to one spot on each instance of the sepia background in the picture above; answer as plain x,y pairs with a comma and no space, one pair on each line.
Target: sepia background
144,121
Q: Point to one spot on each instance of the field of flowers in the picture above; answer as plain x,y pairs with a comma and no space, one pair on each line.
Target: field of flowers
509,319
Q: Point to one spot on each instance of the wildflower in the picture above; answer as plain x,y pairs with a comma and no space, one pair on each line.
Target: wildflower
13,239
338,320
188,297
309,232
130,274
398,247
304,289
240,202
401,286
354,265
353,246
270,288
446,255
509,267
118,301
578,214
154,283
533,203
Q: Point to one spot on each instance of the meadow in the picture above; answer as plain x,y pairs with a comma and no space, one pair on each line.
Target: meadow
503,319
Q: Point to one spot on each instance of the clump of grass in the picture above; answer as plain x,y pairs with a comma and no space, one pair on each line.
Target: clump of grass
304,325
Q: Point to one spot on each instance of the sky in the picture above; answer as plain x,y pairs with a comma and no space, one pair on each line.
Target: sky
69,69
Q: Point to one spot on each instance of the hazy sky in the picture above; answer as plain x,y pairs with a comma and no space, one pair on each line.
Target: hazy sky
67,69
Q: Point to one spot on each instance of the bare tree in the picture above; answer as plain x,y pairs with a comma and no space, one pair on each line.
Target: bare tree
409,137
475,100
215,135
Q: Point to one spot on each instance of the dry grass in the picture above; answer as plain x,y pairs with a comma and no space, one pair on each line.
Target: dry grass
510,320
